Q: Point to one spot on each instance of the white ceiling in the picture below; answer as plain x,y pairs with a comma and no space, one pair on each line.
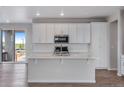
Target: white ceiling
24,14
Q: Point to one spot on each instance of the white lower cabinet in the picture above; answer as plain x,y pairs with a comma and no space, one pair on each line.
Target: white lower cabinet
58,70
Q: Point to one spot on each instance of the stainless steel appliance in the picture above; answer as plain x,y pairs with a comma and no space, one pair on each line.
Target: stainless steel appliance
60,48
61,39
61,51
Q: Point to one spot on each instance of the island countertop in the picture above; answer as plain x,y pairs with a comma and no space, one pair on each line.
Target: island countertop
52,56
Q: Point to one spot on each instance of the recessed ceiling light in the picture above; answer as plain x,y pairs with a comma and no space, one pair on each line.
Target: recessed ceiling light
62,13
37,14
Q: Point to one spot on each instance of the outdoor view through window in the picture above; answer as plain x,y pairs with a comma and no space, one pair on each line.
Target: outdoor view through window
20,46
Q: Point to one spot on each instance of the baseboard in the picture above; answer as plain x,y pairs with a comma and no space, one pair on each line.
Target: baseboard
112,69
62,81
13,62
101,68
106,68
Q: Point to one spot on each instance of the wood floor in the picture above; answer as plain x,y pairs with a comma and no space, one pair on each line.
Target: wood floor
15,75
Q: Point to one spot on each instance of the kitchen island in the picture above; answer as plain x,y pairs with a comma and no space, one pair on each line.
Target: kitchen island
48,68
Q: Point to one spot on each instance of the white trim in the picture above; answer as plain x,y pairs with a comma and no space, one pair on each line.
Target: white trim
112,68
113,18
119,74
14,62
101,68
61,81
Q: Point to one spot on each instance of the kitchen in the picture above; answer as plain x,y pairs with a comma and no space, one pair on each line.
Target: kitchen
66,44
63,50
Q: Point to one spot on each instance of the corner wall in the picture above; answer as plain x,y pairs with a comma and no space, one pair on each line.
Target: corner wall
119,16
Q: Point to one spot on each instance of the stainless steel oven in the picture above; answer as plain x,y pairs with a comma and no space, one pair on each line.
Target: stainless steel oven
61,51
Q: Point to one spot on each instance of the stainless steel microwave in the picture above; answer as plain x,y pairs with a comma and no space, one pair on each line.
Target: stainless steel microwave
61,39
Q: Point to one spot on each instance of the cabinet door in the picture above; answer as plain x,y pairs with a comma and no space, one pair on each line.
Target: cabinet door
64,29
83,33
43,33
73,33
39,33
61,29
58,29
36,33
50,33
99,43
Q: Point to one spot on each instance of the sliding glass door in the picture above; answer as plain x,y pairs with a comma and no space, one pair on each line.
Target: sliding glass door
20,52
12,46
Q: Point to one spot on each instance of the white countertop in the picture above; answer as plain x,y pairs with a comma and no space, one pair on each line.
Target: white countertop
51,56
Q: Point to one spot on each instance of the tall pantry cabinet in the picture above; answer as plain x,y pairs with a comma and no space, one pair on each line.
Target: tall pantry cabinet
100,43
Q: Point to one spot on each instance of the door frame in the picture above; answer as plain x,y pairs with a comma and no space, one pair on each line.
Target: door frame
109,63
0,45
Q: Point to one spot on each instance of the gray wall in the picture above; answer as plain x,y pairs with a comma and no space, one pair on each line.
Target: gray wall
120,37
113,45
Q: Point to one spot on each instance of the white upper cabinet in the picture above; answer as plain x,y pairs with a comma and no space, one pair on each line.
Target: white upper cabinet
39,33
50,33
36,33
43,33
64,29
73,33
83,33
61,29
78,33
57,29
